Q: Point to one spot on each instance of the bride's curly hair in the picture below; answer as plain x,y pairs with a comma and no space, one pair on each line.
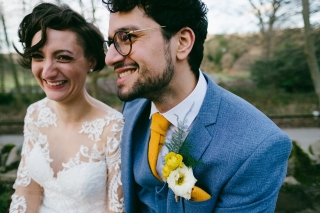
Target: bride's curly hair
175,15
47,15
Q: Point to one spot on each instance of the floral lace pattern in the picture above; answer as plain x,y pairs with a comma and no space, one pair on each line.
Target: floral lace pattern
18,204
93,149
93,129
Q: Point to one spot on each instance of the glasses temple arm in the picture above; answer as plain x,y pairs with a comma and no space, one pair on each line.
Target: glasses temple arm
133,31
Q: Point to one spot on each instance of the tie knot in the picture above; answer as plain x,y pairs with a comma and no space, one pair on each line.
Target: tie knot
159,124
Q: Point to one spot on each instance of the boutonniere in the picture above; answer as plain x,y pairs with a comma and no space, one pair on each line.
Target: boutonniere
178,163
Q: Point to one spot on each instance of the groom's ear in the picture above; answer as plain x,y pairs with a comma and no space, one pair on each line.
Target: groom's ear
185,40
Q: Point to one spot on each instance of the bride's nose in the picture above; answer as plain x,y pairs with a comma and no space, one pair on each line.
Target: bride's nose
49,68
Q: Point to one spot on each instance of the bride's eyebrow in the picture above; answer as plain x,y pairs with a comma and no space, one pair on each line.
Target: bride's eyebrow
55,52
62,51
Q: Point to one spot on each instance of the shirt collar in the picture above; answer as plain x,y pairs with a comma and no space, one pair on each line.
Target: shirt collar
190,106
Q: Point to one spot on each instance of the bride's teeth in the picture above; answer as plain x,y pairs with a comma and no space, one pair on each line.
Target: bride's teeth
121,75
55,83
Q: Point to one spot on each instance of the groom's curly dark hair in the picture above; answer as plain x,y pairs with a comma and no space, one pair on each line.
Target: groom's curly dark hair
174,15
47,15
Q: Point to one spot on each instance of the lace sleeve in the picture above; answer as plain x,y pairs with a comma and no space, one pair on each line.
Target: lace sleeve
28,193
114,185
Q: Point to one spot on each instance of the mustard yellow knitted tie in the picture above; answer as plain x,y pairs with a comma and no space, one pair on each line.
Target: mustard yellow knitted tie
159,127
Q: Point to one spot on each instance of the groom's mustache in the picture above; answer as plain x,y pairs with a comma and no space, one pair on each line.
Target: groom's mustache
123,64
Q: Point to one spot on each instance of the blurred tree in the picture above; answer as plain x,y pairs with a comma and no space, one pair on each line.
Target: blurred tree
81,7
11,61
223,51
2,74
214,49
268,12
227,62
93,11
310,51
240,44
210,48
23,6
1,61
93,76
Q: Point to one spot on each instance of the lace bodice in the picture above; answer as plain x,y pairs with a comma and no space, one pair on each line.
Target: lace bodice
69,168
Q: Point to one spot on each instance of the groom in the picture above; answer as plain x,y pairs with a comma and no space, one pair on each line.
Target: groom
156,48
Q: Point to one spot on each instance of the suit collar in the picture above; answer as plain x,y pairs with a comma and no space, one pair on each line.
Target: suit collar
208,111
207,115
210,107
200,135
132,113
187,109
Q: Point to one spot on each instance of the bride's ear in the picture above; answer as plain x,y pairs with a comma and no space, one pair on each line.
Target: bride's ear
186,40
93,62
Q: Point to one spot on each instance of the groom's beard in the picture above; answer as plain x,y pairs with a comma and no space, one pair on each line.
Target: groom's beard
150,86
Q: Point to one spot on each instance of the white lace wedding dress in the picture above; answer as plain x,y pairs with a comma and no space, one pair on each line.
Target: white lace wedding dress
69,168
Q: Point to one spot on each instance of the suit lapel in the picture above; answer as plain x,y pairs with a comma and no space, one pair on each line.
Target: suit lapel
131,113
200,134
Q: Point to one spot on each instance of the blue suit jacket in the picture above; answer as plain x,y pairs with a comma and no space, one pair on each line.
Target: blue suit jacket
244,154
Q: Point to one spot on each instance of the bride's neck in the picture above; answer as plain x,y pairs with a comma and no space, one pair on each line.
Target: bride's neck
76,112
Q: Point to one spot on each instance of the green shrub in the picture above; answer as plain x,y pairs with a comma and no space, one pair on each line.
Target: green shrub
306,171
6,191
6,98
287,70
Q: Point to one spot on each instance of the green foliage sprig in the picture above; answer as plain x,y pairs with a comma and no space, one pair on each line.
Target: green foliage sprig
178,145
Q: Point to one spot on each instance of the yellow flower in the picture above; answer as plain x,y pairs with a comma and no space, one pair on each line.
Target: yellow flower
166,171
173,160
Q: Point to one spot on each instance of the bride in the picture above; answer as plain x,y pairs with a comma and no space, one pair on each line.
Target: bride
71,151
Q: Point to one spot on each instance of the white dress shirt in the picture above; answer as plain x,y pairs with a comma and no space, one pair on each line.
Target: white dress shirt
191,103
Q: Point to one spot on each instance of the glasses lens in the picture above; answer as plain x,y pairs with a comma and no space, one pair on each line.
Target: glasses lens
122,42
105,46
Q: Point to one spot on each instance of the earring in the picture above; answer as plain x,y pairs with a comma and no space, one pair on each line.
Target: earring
91,70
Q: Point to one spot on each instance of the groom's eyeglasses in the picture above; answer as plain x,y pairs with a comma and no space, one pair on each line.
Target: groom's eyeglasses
122,41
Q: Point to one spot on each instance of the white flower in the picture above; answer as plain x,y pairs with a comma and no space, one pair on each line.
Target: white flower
181,181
